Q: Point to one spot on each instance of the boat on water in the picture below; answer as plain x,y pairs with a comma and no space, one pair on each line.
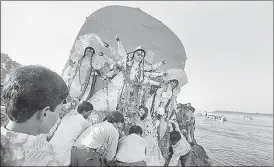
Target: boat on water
199,114
223,119
247,117
214,117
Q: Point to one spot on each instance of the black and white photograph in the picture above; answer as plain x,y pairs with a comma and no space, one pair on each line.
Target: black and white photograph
137,83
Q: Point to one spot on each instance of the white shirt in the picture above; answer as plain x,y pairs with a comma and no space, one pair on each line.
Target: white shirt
103,135
132,148
66,134
93,119
179,149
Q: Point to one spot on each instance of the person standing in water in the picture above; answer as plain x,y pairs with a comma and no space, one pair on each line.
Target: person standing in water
190,124
179,147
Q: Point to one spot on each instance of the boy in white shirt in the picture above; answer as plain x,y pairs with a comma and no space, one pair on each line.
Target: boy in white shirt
132,149
70,128
97,145
179,146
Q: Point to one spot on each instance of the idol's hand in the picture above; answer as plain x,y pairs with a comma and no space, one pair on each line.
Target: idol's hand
101,54
106,44
117,38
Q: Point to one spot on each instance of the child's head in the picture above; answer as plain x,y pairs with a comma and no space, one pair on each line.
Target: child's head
35,95
135,129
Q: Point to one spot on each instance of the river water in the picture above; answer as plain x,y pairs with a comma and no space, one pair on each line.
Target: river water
237,142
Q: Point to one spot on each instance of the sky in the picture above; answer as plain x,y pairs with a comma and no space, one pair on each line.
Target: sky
229,45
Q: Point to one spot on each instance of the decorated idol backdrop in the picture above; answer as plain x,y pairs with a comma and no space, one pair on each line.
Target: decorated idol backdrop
123,58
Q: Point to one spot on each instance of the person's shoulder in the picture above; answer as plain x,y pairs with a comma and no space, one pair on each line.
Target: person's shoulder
111,129
39,143
77,116
84,133
138,138
135,136
107,126
71,118
142,138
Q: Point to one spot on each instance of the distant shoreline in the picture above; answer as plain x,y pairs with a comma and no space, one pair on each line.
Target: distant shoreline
242,113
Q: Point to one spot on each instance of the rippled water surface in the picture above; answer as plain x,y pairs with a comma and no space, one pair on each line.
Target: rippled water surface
237,142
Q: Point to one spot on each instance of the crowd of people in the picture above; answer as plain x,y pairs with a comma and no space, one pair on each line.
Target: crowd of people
57,121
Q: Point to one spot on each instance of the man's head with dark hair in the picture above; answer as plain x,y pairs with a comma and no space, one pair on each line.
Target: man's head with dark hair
117,119
175,136
34,95
143,112
135,129
85,108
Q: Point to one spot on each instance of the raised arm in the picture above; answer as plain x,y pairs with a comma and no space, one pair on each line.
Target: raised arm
122,51
180,149
153,74
154,66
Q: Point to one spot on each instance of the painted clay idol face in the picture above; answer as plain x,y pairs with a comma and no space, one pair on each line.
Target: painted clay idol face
139,56
141,112
89,53
174,84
